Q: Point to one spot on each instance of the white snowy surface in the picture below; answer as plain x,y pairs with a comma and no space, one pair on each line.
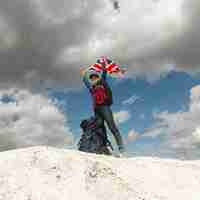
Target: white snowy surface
47,173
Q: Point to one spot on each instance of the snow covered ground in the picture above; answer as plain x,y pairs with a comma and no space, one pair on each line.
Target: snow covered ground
47,173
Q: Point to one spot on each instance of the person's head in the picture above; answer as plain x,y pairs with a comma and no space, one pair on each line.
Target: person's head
94,78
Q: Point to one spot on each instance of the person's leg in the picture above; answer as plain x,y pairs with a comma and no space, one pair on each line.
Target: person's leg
103,133
105,150
106,113
99,116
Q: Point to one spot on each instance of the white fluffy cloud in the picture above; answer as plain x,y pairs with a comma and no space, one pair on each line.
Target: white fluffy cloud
180,131
122,116
131,100
132,136
32,119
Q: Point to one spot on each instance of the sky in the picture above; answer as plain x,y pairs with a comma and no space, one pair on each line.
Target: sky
43,45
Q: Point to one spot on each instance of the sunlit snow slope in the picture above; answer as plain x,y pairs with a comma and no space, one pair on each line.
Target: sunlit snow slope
47,173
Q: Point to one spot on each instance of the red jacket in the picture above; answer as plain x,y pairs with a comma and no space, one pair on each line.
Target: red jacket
101,94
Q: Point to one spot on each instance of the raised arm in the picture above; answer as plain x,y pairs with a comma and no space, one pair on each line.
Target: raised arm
104,74
84,75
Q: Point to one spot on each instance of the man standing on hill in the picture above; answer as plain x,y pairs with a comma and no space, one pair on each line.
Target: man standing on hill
94,78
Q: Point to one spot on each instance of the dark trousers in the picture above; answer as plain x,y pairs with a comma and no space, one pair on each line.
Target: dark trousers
104,112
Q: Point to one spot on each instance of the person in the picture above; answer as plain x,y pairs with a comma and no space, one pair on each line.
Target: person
94,78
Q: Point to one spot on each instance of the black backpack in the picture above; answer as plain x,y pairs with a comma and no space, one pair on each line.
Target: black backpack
93,138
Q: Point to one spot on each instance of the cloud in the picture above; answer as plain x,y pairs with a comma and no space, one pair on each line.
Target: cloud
122,116
156,130
32,119
131,100
132,136
162,38
179,131
48,41
196,134
33,35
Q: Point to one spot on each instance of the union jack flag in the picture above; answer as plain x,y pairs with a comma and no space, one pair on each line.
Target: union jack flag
110,68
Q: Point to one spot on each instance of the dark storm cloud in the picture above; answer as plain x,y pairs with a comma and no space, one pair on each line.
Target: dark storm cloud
39,41
181,49
185,50
48,41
